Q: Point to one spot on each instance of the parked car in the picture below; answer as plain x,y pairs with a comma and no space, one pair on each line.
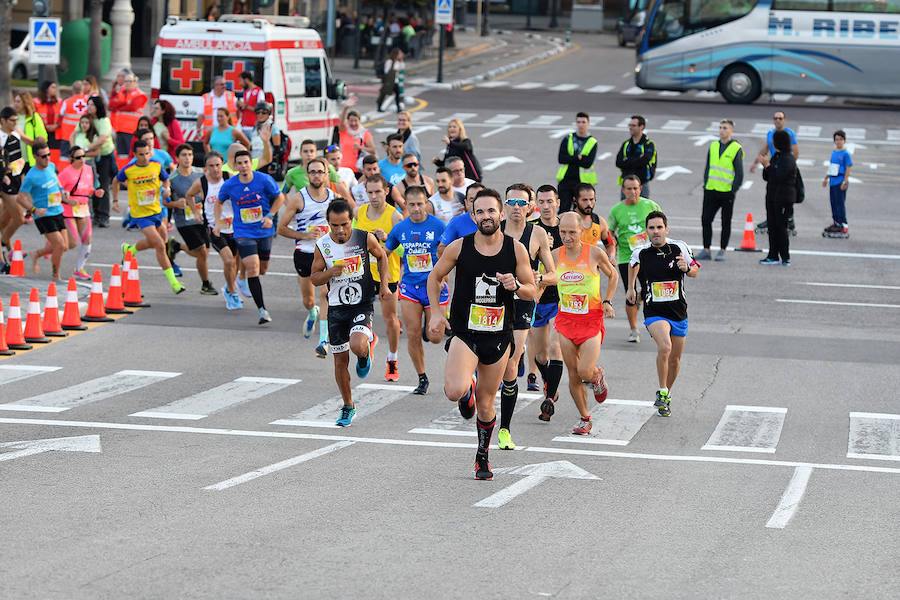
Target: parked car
630,28
19,46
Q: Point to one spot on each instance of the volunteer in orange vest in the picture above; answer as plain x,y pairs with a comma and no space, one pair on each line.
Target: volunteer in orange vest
219,97
70,112
47,105
252,94
126,107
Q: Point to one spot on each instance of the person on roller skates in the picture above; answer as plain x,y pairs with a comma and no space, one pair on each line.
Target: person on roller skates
836,180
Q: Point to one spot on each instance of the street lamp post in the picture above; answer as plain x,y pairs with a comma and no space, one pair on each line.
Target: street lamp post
121,16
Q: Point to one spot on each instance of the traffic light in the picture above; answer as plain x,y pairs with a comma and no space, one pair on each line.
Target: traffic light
41,8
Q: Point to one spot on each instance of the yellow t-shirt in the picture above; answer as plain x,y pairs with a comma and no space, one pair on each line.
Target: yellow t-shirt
143,187
385,223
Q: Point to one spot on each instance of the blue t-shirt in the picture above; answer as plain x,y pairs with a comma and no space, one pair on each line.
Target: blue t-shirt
393,173
841,159
162,157
250,202
43,187
772,132
420,242
459,226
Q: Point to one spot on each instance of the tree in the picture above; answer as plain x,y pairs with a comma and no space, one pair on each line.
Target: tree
6,6
95,58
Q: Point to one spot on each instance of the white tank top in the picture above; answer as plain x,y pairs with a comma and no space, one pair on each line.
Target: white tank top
311,217
209,207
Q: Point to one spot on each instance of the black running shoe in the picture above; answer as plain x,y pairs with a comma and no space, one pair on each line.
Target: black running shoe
208,290
483,467
467,407
532,383
547,409
422,388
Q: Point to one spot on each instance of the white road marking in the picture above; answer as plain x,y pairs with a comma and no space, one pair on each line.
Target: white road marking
452,420
229,483
528,85
493,84
805,162
706,94
90,391
545,120
501,119
781,97
495,131
369,398
669,93
462,116
534,475
830,303
855,133
893,135
633,91
675,125
194,270
817,98
790,500
845,254
747,185
10,373
623,123
489,164
761,128
852,285
603,156
713,126
616,422
451,432
563,87
874,436
81,443
730,460
600,89
747,429
208,402
813,131
423,114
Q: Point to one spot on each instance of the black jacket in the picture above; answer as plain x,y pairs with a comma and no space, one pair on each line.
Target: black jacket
781,178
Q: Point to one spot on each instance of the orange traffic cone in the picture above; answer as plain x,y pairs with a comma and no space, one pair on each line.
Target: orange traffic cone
95,312
14,338
4,349
748,244
133,295
34,334
114,295
17,263
72,314
51,324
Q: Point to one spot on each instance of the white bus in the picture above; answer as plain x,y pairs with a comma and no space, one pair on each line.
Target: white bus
743,48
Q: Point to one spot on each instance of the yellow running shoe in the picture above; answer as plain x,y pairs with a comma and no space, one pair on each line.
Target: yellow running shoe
504,440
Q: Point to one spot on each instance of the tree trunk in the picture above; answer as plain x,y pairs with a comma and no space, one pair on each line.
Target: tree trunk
6,7
95,58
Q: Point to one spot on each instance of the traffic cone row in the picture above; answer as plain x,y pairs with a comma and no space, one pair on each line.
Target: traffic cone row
114,302
133,295
4,348
95,311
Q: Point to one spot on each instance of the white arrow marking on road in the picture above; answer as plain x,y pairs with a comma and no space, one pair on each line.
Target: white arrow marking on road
10,373
604,156
534,475
493,163
702,140
747,185
790,500
560,133
663,173
80,443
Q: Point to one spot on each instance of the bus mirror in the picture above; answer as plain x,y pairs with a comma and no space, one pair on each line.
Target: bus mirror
337,90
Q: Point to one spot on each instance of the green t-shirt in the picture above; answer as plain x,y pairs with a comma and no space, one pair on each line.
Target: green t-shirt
104,127
297,178
628,224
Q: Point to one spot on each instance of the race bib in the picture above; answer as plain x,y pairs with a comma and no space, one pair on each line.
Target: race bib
17,166
352,266
638,239
54,199
81,211
254,214
225,222
486,318
146,197
321,228
419,263
834,169
188,213
664,291
575,304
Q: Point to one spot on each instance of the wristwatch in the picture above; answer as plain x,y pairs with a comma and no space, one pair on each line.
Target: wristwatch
518,285
607,302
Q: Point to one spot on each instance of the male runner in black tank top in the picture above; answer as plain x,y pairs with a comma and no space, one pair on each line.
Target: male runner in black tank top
491,270
13,167
518,207
413,178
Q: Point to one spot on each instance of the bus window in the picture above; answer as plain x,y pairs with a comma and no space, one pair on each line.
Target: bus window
313,76
867,6
185,75
800,5
677,18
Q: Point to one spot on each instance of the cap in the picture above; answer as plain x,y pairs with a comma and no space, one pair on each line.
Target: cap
263,107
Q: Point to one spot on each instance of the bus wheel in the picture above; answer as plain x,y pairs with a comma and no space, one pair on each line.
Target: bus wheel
740,84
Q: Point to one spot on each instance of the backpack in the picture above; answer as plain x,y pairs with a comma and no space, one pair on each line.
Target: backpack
801,189
277,167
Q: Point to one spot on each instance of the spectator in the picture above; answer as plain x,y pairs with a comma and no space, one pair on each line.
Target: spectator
407,33
47,105
404,128
119,82
252,94
392,67
334,158
125,109
219,97
93,89
458,144
83,136
637,155
224,134
780,175
70,111
166,126
457,170
31,125
356,141
263,115
105,161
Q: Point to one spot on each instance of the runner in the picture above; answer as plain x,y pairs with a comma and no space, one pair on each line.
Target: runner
12,167
255,200
627,222
463,224
297,178
491,270
581,313
43,196
304,222
333,156
419,235
143,178
391,166
544,340
342,262
369,169
446,202
595,229
661,266
207,188
537,245
457,167
378,218
413,178
81,182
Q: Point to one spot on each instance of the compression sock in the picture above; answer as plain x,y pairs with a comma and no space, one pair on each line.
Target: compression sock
485,431
542,368
256,291
84,250
170,275
323,331
508,395
554,375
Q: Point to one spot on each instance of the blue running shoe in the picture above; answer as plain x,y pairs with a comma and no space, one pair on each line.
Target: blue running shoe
364,366
521,372
243,288
177,270
311,322
229,301
322,350
236,298
347,414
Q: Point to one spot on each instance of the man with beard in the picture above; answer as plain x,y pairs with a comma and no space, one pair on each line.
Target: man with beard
594,228
446,202
391,166
413,178
492,269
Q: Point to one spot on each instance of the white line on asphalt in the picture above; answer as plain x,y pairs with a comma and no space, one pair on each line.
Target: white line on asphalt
855,133
675,125
493,84
633,91
208,402
604,156
706,94
781,97
812,131
587,439
874,436
817,98
438,444
600,89
501,119
747,429
563,87
528,85
90,391
545,119
852,285
493,132
368,397
831,303
190,269
452,432
453,421
228,483
790,500
10,373
616,422
462,116
893,135
623,123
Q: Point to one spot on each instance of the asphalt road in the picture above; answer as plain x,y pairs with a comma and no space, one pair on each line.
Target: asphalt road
776,476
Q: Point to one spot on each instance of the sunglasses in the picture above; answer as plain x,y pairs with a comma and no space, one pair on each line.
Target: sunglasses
413,164
79,157
316,172
517,202
43,155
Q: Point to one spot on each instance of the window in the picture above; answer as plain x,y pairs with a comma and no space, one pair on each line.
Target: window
312,67
185,75
861,6
231,69
677,18
800,5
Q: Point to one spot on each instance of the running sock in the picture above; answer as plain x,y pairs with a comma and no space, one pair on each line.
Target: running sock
485,431
509,392
84,250
664,391
170,275
542,368
423,377
554,375
323,330
206,283
256,291
392,356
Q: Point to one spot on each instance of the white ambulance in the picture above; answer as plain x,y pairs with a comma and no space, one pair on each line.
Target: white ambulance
287,59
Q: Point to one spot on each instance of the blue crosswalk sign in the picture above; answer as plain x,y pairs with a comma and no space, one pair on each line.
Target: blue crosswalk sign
44,40
443,12
44,32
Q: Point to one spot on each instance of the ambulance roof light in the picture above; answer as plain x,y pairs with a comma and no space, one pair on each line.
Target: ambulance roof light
172,20
260,20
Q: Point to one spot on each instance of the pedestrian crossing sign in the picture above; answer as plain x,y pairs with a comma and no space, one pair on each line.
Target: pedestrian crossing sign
443,12
45,33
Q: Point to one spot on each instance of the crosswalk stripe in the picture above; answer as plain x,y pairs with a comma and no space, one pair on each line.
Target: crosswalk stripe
462,116
874,436
893,135
713,126
453,423
494,132
208,402
781,97
616,422
633,91
855,133
748,429
528,85
10,373
809,131
600,89
624,122
421,115
668,93
493,84
90,391
817,98
761,128
564,87
501,119
545,120
676,125
706,94
369,398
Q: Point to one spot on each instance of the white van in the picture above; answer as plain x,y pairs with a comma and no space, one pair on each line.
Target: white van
287,59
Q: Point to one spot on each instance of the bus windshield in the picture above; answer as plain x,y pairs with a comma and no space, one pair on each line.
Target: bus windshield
678,18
